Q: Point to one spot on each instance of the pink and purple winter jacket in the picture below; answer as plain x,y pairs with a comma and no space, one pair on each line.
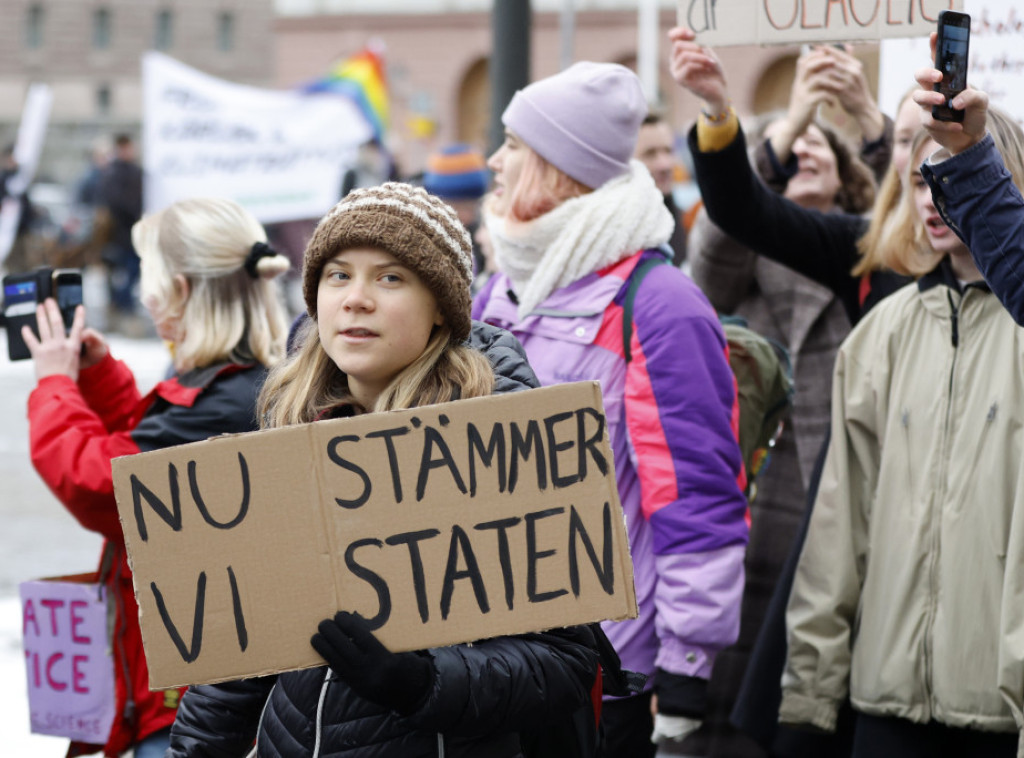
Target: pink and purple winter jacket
672,418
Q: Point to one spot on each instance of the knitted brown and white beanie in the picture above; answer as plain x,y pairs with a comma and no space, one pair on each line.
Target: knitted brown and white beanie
420,230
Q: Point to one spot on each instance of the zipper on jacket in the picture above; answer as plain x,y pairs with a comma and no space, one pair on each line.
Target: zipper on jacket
940,497
440,745
259,726
129,713
955,315
320,712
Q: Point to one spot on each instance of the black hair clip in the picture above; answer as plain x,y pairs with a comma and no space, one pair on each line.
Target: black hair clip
259,250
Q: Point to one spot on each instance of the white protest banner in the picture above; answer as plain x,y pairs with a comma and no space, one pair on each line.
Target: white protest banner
27,149
996,57
279,154
720,23
442,524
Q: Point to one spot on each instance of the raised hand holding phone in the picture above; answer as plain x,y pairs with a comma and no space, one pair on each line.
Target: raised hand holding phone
955,136
951,49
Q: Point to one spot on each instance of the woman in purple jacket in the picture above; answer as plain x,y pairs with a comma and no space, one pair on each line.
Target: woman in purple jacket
571,219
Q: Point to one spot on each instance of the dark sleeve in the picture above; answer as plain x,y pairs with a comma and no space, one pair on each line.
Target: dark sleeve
774,173
219,720
509,684
822,247
512,371
978,200
121,192
877,154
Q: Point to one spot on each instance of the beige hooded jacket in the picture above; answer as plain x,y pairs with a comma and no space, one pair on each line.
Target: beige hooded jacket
909,595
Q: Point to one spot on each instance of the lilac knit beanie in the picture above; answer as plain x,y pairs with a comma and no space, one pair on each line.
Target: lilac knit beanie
584,120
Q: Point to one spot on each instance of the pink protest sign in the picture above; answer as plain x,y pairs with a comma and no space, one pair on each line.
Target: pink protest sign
67,658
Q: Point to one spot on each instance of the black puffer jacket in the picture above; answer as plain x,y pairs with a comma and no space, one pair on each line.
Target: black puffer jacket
512,372
483,695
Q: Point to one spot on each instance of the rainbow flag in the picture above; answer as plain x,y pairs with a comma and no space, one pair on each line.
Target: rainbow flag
361,78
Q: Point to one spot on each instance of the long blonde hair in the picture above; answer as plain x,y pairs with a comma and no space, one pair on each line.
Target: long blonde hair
907,248
876,245
309,384
227,314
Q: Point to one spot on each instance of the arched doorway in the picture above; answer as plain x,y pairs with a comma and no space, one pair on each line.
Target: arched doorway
474,108
774,85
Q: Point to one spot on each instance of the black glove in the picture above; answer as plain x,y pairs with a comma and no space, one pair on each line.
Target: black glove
399,681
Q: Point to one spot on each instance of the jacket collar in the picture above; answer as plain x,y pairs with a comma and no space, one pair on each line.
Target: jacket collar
943,274
184,389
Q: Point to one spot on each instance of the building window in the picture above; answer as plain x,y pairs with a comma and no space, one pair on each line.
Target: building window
101,28
34,26
164,37
226,31
103,100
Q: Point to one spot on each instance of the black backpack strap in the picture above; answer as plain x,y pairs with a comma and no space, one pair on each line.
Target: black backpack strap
635,279
615,680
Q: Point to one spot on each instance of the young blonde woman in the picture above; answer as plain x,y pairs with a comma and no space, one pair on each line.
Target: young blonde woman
808,319
976,192
857,258
206,282
907,593
572,220
386,281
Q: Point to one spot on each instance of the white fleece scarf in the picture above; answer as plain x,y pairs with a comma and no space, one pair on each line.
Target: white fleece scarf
580,236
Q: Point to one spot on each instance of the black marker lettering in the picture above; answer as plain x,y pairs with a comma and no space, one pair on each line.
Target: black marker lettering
504,555
606,569
419,582
522,447
187,654
332,453
373,579
555,447
387,435
590,443
432,438
533,556
172,515
236,605
201,505
495,447
460,543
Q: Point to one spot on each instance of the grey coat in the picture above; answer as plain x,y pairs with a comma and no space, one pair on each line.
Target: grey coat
811,322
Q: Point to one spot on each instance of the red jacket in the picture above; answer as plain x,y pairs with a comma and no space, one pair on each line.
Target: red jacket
74,432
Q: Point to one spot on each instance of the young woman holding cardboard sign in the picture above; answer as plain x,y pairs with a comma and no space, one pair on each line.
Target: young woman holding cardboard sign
386,282
207,282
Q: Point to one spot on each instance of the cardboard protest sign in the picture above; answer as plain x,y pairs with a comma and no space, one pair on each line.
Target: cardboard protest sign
279,154
720,23
68,663
443,524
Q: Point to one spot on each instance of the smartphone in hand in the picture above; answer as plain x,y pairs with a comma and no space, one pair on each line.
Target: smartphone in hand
951,51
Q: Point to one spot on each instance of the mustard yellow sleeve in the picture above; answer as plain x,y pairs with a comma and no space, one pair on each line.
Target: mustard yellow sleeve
713,136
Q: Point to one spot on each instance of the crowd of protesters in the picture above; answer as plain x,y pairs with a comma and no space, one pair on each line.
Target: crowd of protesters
868,601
